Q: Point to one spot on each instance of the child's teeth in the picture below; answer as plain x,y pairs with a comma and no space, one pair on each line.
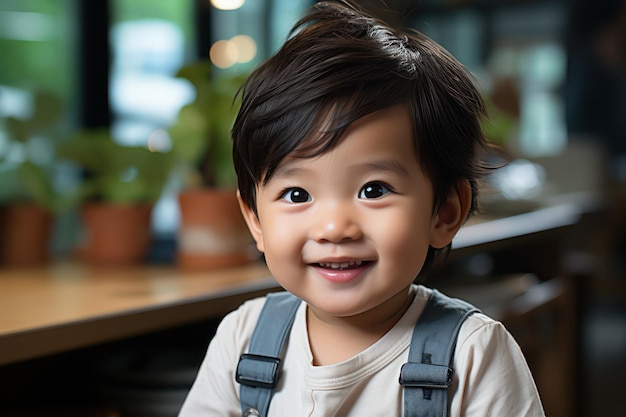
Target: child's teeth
340,265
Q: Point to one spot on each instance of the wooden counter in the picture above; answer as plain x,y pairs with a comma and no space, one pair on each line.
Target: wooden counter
67,306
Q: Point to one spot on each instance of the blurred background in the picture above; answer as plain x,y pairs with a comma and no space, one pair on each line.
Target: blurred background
553,73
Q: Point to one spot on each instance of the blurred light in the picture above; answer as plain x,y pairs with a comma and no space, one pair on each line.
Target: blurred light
26,26
223,53
544,65
15,153
237,50
227,4
129,174
15,102
40,150
246,48
159,141
520,179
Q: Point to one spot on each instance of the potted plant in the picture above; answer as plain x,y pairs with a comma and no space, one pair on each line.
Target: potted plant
30,200
212,232
119,188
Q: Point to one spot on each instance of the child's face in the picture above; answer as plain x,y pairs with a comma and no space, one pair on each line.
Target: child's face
349,229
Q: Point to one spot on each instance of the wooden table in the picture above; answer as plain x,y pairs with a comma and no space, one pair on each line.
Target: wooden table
67,306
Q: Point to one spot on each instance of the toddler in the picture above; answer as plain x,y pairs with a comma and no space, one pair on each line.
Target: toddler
358,149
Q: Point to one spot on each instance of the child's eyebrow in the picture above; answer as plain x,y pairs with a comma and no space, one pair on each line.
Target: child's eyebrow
390,165
382,165
287,171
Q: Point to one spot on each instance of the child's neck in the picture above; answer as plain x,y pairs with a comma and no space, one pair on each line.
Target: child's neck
335,339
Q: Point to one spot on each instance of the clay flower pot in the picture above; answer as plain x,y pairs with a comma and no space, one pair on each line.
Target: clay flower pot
115,235
212,232
25,232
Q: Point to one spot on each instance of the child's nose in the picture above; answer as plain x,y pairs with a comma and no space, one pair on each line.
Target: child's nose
335,223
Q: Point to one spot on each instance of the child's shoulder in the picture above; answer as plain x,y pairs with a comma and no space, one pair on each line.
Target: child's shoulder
235,329
474,325
253,305
244,318
249,310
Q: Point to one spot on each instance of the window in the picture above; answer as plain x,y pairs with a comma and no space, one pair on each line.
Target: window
151,40
517,54
37,40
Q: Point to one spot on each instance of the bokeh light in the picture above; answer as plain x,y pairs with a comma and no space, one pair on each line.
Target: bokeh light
227,4
228,52
246,48
223,53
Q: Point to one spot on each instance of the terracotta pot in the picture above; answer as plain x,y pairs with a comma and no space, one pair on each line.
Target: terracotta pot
25,232
212,232
115,235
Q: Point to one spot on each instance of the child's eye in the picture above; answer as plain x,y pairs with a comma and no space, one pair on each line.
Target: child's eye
296,195
373,190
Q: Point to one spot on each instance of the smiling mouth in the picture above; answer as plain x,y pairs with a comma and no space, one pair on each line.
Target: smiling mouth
340,266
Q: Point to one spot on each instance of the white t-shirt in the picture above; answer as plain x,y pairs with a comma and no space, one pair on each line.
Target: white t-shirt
491,377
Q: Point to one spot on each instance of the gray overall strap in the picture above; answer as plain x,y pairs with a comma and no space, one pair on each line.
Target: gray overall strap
428,373
258,370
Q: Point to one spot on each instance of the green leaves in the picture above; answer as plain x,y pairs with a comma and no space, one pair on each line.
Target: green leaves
24,176
37,180
46,115
117,173
201,136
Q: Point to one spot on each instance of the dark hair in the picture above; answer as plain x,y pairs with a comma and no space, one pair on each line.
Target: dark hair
340,64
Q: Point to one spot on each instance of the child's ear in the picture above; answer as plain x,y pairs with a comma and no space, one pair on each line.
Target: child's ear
451,215
252,220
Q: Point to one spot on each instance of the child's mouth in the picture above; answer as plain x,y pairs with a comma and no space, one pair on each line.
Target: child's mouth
341,272
340,266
